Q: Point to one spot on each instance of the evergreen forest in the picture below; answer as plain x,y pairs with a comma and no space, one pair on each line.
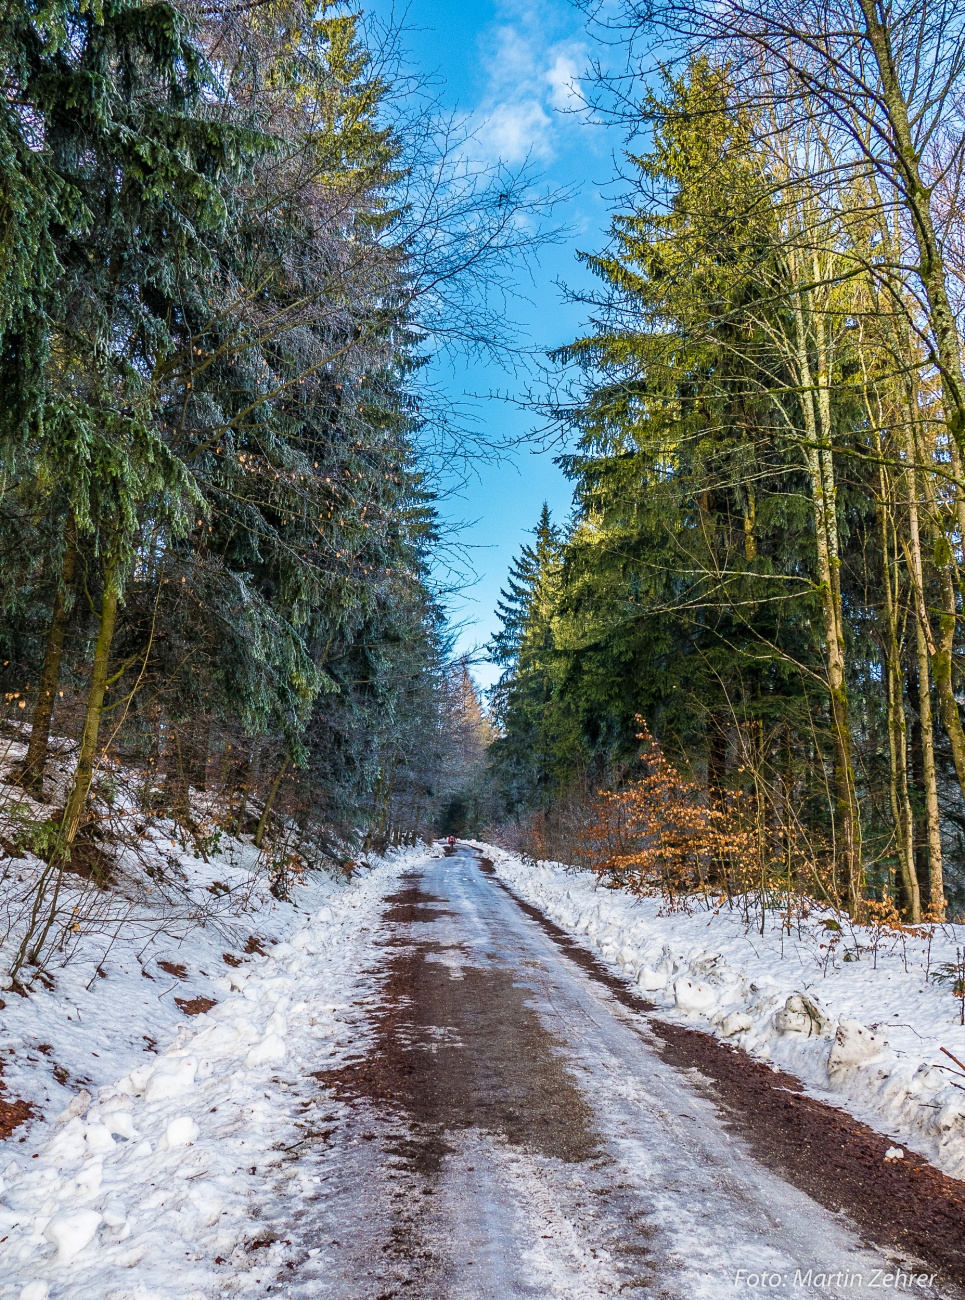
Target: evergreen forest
222,276
738,663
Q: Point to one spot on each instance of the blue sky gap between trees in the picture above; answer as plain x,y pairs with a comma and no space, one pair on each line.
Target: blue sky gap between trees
509,73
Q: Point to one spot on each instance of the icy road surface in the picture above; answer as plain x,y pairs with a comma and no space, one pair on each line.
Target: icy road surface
510,1128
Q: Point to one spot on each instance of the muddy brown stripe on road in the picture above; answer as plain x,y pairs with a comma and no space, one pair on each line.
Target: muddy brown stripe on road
517,1122
835,1158
465,1052
905,1204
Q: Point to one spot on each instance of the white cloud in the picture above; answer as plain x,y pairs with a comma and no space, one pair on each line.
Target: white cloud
563,79
517,130
514,59
531,83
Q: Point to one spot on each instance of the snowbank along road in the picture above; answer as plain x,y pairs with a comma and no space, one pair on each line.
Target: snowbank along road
518,1125
427,1089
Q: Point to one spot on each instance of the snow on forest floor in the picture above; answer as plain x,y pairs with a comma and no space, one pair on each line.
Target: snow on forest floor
858,1016
157,1054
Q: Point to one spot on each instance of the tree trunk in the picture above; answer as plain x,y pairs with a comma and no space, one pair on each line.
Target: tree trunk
936,881
750,524
32,777
199,751
823,497
717,763
942,672
84,775
959,492
269,802
916,197
898,726
941,650
187,764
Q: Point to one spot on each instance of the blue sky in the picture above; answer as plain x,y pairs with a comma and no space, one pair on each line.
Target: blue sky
510,69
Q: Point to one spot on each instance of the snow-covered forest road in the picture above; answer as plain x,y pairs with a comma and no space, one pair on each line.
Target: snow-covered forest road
515,1125
411,1083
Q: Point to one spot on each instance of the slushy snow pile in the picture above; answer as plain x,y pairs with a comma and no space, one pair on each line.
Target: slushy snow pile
858,1018
160,1138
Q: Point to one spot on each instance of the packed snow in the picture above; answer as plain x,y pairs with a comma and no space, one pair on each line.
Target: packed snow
856,1014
